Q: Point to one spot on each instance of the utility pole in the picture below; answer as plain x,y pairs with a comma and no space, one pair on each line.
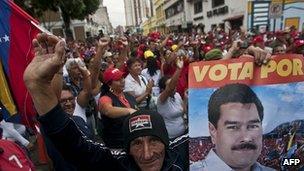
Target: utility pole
282,17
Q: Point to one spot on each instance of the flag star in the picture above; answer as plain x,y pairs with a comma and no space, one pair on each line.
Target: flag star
139,123
6,38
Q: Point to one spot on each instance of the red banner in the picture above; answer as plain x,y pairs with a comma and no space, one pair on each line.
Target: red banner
281,69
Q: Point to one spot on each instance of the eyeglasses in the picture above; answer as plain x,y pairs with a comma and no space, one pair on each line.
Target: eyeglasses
67,100
280,51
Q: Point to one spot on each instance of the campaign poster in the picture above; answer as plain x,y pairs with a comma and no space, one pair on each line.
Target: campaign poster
261,128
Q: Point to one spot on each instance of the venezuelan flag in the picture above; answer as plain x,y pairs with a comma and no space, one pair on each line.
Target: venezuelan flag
16,34
5,94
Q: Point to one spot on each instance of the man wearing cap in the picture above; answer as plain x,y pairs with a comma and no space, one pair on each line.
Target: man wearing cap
145,135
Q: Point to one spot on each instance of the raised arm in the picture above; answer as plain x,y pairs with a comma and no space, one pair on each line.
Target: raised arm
86,92
124,52
94,66
173,82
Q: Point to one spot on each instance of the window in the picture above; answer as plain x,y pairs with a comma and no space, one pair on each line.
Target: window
216,3
198,7
175,9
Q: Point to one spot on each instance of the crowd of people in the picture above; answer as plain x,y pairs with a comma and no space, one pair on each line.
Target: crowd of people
105,82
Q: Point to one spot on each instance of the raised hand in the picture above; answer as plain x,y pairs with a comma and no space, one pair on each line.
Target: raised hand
83,69
103,43
180,63
48,60
124,41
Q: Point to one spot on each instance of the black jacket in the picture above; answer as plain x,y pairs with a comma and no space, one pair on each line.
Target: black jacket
112,133
88,155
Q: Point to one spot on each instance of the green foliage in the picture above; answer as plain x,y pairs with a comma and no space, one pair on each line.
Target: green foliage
71,9
76,9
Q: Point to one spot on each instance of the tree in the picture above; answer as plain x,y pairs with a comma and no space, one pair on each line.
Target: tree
70,9
76,9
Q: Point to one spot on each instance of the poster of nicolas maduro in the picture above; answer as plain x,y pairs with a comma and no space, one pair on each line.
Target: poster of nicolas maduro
244,116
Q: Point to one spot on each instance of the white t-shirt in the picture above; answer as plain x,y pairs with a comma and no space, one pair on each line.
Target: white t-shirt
172,112
80,111
156,77
10,132
131,85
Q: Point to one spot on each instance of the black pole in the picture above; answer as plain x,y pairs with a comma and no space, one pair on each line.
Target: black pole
274,24
282,17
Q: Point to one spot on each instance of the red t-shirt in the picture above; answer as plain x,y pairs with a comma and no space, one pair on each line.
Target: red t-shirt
13,158
169,69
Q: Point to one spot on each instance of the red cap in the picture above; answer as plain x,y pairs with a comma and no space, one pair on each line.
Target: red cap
279,33
169,43
258,39
142,47
207,48
112,74
299,43
154,36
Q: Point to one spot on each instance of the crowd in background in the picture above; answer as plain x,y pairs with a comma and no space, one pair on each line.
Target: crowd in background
100,87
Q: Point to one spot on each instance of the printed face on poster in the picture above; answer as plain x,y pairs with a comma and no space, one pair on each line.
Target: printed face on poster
242,115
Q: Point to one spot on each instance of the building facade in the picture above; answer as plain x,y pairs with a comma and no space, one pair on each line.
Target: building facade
159,16
178,15
101,17
276,14
227,14
137,12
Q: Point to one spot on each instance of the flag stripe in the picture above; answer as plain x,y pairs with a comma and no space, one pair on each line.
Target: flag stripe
4,30
5,94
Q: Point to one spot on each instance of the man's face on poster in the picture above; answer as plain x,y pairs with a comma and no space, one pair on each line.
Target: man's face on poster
238,135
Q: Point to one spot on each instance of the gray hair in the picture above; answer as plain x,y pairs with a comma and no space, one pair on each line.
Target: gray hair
73,61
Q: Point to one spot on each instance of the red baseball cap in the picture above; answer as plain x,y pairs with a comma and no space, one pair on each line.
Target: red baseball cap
279,33
112,74
258,39
206,48
299,43
169,43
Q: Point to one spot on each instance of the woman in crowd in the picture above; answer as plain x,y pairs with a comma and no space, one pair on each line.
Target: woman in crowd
114,106
137,85
152,72
170,104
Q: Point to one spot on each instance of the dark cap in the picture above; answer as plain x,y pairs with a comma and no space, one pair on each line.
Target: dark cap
144,123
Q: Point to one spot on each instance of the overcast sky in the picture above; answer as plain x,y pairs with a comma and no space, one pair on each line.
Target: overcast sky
116,12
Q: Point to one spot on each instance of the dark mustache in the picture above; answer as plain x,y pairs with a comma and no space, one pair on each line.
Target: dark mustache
250,146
